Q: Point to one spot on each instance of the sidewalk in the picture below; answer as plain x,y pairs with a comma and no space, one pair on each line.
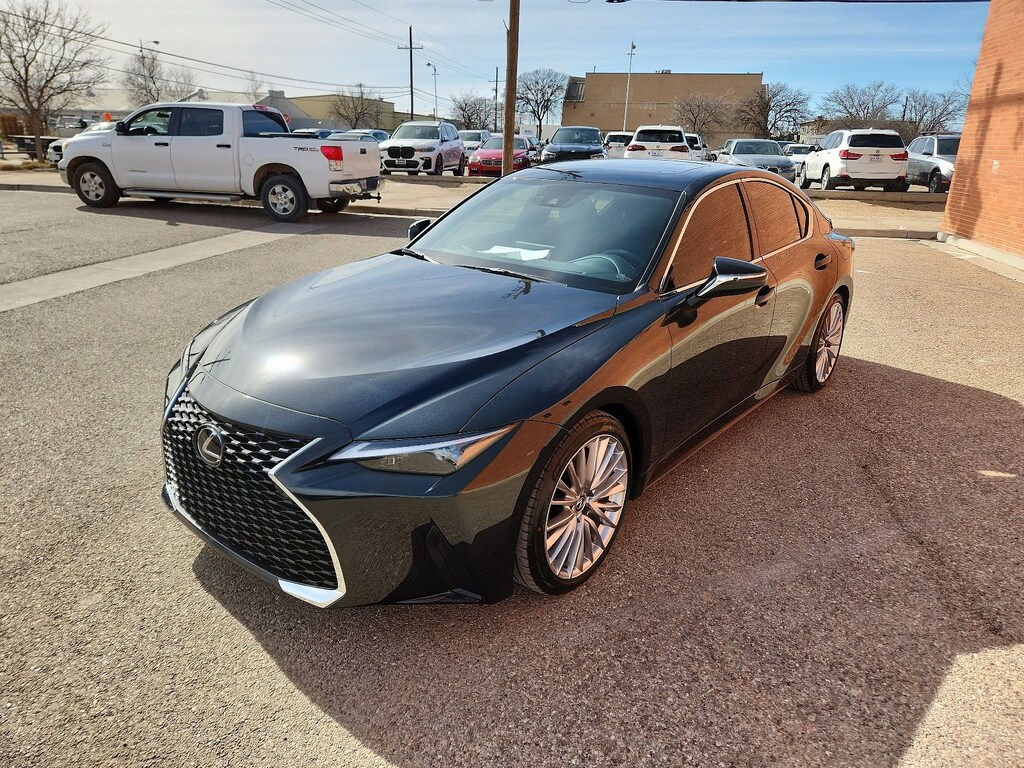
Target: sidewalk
427,197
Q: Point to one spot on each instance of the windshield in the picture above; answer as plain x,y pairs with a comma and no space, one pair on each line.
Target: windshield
693,141
756,148
496,142
596,236
576,136
797,149
618,138
949,146
415,132
469,135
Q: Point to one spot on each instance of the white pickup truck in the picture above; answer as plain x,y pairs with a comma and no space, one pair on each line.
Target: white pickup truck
219,152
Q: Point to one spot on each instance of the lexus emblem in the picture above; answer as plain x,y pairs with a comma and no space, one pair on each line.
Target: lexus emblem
209,442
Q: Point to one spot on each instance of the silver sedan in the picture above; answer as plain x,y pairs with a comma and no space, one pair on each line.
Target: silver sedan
758,153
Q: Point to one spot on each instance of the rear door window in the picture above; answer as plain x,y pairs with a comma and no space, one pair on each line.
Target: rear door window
200,121
774,213
880,140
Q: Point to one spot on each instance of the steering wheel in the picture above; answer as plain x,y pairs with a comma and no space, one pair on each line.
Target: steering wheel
623,260
149,130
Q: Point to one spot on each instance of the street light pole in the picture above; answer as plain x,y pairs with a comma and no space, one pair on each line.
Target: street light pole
435,86
629,73
511,78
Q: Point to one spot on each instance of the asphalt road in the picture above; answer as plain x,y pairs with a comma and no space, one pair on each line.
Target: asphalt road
836,581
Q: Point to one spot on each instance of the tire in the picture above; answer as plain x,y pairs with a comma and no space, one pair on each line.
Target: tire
897,186
284,197
801,178
540,569
827,182
332,204
828,339
935,182
461,170
95,186
385,172
438,168
860,187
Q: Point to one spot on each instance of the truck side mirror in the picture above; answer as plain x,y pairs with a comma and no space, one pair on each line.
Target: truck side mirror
119,128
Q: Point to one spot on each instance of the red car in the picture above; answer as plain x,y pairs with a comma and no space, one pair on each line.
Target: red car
486,161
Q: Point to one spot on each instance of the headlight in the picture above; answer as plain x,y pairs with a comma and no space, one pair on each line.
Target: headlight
424,456
599,156
474,158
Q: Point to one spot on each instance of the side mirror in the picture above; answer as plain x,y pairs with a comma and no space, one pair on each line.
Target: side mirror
417,227
816,148
730,277
119,128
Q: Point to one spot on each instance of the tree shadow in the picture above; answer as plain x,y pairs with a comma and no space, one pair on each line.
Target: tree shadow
794,594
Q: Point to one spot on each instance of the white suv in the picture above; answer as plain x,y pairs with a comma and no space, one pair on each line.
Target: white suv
861,158
430,146
664,142
698,150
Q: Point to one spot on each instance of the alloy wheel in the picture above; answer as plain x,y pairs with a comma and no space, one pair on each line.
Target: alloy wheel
282,199
586,507
828,342
91,185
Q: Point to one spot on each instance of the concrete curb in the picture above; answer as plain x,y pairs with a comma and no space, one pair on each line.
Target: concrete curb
920,198
980,249
35,188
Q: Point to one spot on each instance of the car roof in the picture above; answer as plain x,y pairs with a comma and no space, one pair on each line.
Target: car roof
678,175
871,130
588,127
659,128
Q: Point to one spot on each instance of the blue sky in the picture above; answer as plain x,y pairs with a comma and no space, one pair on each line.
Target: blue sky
811,46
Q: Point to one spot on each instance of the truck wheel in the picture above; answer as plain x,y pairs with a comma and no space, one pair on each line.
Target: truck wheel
95,186
332,204
284,198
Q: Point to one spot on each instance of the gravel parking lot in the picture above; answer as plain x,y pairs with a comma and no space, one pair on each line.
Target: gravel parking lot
836,581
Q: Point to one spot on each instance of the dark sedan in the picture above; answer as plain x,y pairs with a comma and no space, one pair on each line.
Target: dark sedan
479,407
574,142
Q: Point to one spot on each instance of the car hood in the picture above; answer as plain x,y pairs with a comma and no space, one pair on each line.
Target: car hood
397,347
414,143
573,148
761,160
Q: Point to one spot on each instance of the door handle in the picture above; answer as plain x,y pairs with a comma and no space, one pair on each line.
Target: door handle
161,144
822,260
223,146
764,295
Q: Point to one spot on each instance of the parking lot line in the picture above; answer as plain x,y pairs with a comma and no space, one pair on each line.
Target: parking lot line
44,287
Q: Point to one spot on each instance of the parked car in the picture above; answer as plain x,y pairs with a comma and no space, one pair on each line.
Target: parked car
574,142
796,152
532,148
481,405
665,142
930,160
698,150
428,146
207,151
56,149
377,134
318,133
723,150
861,158
473,140
486,161
758,153
615,142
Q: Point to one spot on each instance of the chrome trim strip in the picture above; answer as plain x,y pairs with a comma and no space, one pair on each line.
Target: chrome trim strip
170,405
315,595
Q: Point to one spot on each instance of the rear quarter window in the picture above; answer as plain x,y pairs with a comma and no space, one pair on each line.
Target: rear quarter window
880,140
775,216
255,123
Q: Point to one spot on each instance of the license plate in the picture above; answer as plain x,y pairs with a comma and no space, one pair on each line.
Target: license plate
404,162
655,153
875,158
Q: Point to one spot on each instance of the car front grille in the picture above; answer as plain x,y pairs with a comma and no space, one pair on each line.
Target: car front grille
490,162
406,152
237,502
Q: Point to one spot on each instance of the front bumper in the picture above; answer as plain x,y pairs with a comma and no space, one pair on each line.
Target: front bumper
393,537
420,161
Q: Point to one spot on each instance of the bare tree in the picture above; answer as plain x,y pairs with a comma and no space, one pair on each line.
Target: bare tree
147,80
356,107
540,92
702,112
869,103
48,59
776,109
930,112
470,110
253,86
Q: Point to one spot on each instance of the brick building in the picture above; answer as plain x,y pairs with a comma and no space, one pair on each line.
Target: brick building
986,201
599,99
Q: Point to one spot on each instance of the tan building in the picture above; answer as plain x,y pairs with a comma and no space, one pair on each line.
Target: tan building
986,200
315,112
599,98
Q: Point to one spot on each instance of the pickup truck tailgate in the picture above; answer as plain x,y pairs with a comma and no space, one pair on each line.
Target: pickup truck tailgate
361,159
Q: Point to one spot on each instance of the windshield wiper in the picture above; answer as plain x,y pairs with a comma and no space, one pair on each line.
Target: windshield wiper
509,273
413,253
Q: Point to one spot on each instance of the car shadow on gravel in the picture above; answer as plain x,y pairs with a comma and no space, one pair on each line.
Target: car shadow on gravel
794,594
248,217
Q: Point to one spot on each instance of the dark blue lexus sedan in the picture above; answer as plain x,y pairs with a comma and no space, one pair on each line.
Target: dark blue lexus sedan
479,407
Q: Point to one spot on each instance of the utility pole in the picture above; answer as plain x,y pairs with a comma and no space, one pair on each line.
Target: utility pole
511,78
495,99
410,48
625,111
